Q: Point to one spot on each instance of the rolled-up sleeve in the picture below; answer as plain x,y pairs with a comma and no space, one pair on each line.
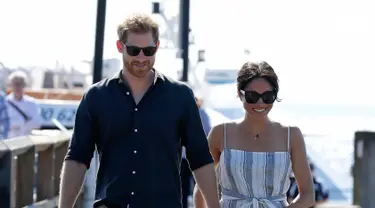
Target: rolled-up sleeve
82,144
194,137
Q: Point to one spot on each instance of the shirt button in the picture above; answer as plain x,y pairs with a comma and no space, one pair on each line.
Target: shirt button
127,93
132,193
135,130
135,151
136,109
133,172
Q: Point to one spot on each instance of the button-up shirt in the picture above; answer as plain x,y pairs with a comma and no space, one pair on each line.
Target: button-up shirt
139,145
18,125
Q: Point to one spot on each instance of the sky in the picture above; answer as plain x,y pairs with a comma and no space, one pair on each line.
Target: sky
322,50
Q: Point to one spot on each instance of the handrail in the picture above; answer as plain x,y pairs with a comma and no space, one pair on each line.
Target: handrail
57,94
30,169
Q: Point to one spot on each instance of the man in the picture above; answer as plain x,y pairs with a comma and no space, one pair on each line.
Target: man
186,174
22,110
138,121
321,194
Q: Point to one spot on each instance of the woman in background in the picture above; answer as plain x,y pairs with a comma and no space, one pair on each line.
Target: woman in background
255,156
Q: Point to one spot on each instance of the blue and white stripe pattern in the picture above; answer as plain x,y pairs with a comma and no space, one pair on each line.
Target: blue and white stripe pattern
254,179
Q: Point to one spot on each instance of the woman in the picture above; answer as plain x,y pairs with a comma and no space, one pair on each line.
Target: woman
255,156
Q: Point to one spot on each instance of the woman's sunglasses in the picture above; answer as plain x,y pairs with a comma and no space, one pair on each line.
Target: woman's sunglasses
252,97
135,50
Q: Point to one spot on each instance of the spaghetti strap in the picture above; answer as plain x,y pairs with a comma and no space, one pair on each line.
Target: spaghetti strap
225,136
288,138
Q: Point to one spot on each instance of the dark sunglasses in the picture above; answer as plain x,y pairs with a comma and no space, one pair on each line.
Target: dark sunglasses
135,50
252,97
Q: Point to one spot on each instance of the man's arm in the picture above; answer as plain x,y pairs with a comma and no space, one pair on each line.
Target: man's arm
206,179
197,152
79,155
72,177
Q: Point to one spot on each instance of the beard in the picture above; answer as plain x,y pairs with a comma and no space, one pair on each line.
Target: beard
139,69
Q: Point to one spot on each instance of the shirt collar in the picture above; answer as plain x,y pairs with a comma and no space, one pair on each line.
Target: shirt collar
12,97
158,76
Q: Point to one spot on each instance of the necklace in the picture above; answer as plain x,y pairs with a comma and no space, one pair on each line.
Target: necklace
256,137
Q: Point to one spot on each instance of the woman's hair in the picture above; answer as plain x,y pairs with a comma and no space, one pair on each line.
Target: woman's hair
253,70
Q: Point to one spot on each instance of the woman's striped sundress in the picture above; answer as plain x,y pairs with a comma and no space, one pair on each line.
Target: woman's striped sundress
254,179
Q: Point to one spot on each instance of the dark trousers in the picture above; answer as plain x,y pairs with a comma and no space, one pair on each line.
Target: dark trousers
186,176
105,204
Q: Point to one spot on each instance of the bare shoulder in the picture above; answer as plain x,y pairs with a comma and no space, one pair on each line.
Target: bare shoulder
296,138
216,135
295,131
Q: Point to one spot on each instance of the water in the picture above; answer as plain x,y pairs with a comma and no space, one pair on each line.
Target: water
329,135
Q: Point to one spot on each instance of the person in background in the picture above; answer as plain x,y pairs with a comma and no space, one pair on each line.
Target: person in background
23,111
4,119
321,193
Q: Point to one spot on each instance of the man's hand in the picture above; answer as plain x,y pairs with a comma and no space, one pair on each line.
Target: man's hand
206,180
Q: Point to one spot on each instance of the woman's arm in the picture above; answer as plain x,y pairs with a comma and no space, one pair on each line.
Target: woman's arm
198,198
301,169
215,141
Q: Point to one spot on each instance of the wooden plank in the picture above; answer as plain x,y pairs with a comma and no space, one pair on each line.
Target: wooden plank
48,203
17,174
41,142
6,182
45,176
18,145
61,139
55,94
25,177
60,153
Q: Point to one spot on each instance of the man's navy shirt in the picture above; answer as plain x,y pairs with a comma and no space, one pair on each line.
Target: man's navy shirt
140,145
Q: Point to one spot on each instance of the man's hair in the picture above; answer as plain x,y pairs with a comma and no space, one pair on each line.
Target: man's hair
18,75
138,23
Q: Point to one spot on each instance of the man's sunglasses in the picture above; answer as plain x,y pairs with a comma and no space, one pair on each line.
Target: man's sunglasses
135,50
252,97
